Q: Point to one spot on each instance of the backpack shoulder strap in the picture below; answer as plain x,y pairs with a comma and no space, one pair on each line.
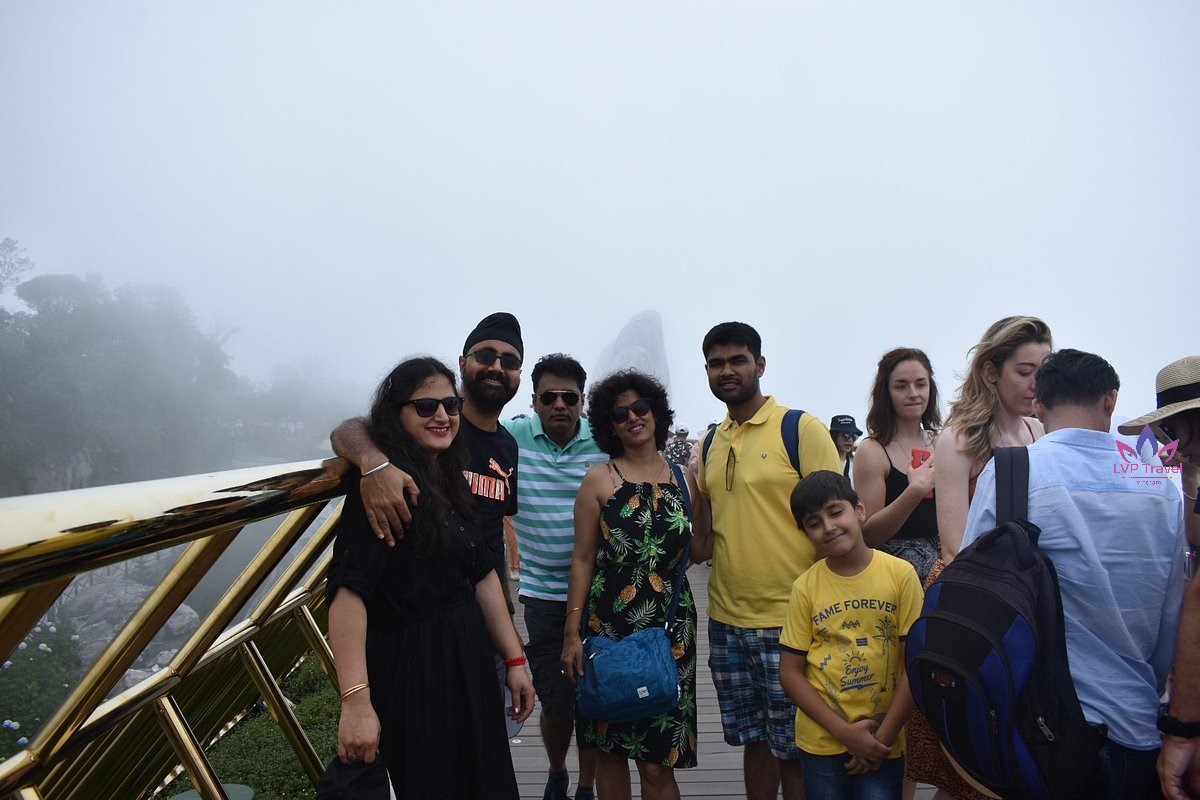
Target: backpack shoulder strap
708,440
681,479
1012,483
790,430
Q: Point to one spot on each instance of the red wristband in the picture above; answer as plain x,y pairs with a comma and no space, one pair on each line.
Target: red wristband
518,661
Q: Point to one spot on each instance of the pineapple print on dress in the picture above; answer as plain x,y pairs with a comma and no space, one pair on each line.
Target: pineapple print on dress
644,530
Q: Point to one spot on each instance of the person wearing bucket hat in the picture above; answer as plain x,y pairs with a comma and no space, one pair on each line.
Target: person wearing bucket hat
1177,419
845,432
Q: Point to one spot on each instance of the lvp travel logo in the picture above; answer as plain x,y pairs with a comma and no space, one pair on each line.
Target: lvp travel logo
1145,462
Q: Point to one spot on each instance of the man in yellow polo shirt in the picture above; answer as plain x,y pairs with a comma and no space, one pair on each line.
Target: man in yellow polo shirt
757,552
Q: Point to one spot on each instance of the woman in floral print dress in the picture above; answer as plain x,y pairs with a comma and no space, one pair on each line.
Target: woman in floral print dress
631,531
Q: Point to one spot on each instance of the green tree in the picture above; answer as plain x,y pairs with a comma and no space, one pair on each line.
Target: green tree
104,387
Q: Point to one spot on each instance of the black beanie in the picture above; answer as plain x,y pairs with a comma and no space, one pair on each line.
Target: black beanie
500,326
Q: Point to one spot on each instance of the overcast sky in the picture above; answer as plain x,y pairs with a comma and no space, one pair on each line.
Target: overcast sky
348,183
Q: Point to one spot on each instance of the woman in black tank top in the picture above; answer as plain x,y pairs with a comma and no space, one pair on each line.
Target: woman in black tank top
902,423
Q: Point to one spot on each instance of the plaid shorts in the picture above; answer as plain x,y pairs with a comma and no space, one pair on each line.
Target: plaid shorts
754,706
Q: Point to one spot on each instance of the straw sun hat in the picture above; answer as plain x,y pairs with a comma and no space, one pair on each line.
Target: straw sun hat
1178,389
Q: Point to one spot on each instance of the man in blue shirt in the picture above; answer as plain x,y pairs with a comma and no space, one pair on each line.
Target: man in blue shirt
1115,536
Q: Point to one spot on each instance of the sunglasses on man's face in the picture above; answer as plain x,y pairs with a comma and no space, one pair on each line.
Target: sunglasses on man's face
639,407
487,356
427,406
569,398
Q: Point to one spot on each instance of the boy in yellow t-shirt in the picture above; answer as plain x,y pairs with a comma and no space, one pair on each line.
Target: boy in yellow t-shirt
842,649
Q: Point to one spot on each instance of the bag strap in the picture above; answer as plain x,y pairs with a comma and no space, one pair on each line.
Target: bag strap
789,429
683,565
708,440
1012,484
681,479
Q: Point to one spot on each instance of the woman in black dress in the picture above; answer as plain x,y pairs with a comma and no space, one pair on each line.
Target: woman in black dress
414,627
631,534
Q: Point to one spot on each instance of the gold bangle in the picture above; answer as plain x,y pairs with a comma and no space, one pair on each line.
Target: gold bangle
354,689
573,610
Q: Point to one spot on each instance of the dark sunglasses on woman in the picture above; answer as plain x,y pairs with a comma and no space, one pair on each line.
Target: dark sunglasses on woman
427,406
640,407
569,398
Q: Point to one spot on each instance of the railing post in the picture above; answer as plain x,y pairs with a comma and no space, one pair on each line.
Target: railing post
188,749
285,718
316,640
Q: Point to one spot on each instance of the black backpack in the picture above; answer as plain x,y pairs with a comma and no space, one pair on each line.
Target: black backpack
987,659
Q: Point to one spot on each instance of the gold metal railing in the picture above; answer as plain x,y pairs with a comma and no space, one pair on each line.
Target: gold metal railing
125,745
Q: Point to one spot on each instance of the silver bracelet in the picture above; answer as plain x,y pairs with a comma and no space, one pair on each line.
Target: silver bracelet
373,470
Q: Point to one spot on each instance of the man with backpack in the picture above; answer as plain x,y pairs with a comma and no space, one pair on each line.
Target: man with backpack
748,466
1115,538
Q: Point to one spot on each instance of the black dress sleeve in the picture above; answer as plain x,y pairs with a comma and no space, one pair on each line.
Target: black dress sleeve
359,558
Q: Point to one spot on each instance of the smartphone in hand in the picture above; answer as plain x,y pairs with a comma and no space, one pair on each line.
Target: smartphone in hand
919,457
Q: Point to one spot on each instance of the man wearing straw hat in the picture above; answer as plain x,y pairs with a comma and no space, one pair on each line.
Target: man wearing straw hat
1177,419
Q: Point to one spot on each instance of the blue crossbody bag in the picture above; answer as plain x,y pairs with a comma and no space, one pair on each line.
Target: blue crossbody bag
635,677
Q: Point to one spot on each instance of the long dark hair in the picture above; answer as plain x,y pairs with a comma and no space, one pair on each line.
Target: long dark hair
881,418
441,480
603,397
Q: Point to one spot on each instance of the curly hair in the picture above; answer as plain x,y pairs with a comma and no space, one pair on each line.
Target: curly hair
441,479
973,414
881,417
603,397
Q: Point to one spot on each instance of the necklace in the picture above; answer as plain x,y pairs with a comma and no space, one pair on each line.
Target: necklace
905,454
638,470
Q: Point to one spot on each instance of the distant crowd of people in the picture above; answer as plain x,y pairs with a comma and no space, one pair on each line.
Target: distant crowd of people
822,545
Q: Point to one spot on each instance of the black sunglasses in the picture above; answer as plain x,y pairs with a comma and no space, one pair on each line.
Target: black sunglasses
849,437
639,407
569,398
487,356
1168,430
427,406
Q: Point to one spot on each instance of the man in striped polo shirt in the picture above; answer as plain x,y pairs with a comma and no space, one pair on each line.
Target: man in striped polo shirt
556,449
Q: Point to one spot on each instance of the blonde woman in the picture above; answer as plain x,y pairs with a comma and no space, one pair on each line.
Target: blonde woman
992,410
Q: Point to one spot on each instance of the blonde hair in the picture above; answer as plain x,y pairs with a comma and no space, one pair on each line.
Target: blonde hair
973,414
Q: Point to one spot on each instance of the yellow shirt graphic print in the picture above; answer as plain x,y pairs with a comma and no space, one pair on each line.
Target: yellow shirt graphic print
852,629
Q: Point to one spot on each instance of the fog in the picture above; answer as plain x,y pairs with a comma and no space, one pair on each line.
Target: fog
331,187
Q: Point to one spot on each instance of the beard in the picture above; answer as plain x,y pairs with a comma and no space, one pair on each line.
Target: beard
485,394
736,395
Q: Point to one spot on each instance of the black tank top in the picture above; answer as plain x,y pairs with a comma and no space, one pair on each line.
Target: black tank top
922,522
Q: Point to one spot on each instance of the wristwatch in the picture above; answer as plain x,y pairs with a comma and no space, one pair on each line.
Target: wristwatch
1174,727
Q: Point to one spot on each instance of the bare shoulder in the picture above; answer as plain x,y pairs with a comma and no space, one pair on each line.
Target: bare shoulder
871,451
596,483
950,444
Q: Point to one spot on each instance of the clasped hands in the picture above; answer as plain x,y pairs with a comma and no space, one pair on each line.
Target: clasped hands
866,752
